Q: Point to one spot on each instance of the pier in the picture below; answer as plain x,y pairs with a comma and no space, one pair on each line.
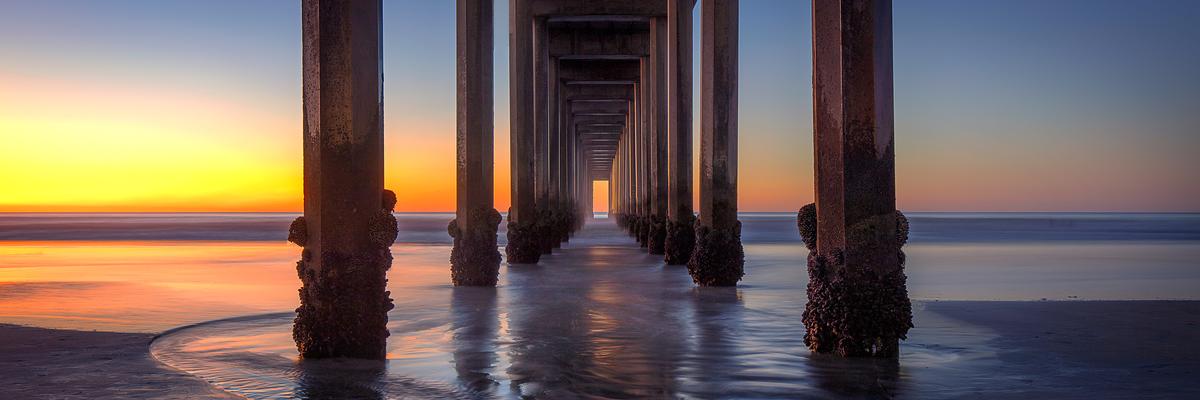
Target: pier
601,90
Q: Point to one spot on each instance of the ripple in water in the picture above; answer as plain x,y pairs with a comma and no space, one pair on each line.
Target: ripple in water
600,319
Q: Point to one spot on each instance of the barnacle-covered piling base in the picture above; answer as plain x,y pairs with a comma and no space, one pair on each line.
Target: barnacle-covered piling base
563,224
474,260
523,243
718,259
344,299
622,221
578,217
858,310
656,236
680,240
855,313
547,238
642,230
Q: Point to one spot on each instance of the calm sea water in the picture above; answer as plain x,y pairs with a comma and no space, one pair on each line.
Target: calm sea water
430,228
599,318
150,272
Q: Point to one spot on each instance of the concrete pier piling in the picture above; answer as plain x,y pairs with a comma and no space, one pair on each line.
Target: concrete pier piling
718,259
657,235
474,260
524,230
544,202
347,226
857,301
680,236
601,90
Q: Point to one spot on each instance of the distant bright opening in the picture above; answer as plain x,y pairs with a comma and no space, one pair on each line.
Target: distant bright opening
600,199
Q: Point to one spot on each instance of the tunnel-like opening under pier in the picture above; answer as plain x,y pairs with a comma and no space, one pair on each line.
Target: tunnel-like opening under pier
601,90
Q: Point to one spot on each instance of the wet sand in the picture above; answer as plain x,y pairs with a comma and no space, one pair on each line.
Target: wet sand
1092,349
38,363
600,318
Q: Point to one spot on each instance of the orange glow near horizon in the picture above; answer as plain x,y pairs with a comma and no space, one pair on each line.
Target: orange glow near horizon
599,196
62,280
86,147
192,106
81,146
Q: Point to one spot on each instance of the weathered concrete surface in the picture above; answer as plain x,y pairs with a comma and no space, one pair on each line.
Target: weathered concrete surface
858,304
592,8
523,241
346,230
680,237
645,132
474,261
717,259
861,313
657,234
541,108
542,153
523,232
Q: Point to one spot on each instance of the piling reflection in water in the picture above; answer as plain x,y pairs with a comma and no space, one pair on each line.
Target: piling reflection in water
600,319
474,337
718,316
341,378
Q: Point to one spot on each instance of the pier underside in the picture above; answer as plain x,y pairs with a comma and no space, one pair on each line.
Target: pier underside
600,90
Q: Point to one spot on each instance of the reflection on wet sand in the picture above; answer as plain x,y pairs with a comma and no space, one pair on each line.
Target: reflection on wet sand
474,330
325,379
602,331
142,286
717,315
856,378
599,319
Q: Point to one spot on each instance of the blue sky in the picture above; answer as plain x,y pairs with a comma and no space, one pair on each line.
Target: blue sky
1000,105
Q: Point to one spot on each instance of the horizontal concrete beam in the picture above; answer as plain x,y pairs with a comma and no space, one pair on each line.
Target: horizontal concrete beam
600,39
600,57
593,82
598,18
598,114
581,121
585,107
563,8
599,70
588,99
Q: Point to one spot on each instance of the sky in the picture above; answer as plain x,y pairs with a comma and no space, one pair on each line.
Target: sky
1019,105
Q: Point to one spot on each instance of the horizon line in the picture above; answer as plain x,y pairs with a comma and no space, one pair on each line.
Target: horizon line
606,212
